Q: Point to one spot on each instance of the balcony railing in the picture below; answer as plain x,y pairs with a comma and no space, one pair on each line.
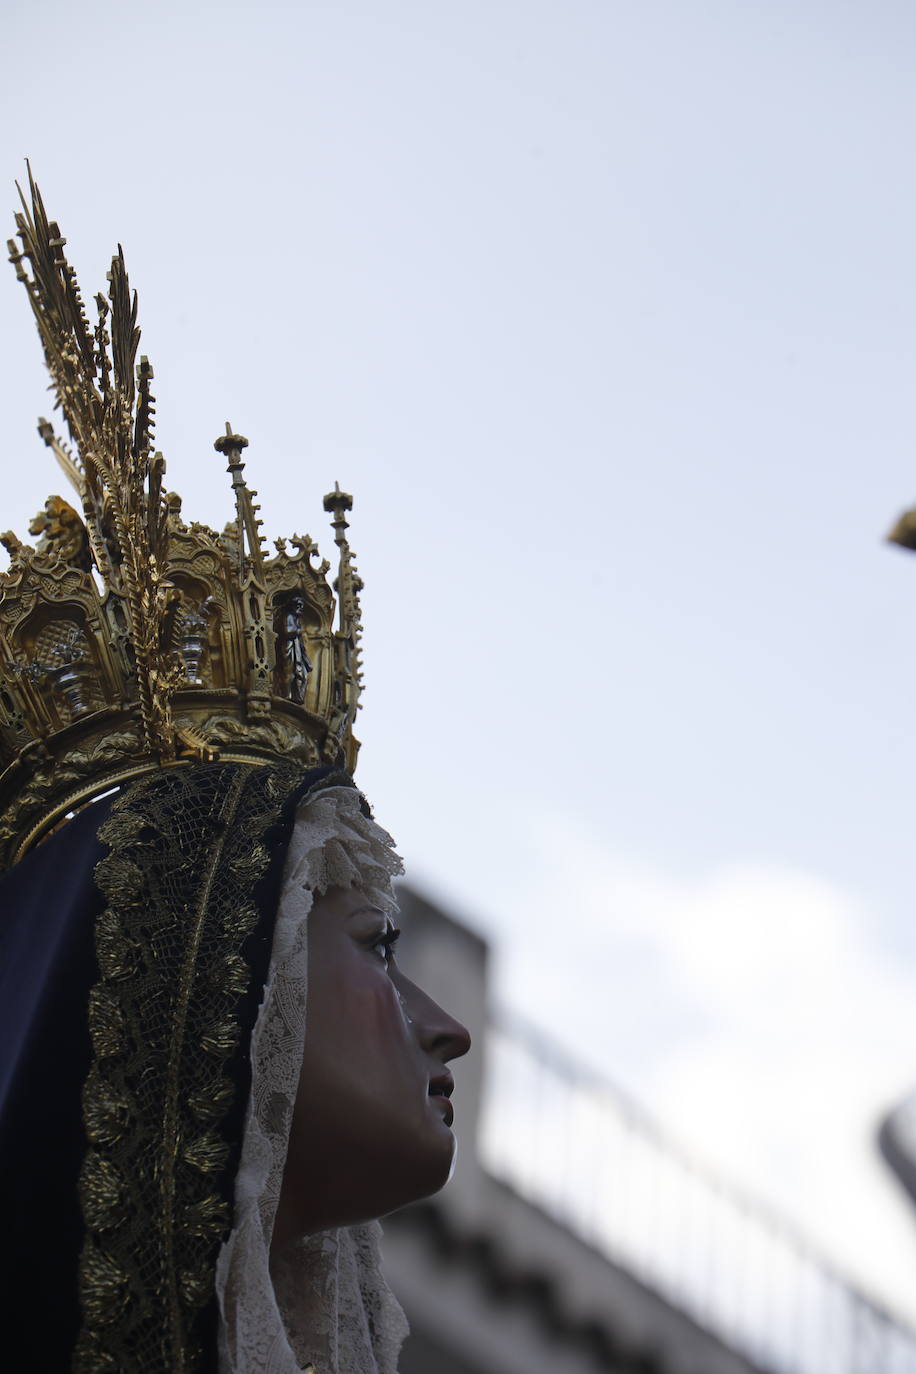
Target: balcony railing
584,1153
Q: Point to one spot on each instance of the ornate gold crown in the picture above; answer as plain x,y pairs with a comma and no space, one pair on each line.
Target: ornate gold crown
130,639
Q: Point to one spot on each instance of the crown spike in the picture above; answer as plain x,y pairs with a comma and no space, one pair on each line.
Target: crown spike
348,586
337,502
231,446
130,639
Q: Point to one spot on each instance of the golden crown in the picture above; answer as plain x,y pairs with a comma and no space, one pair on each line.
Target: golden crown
130,639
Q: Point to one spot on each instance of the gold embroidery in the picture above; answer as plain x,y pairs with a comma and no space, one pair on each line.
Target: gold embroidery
186,853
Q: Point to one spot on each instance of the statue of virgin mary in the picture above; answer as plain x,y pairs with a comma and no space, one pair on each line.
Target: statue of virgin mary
215,1078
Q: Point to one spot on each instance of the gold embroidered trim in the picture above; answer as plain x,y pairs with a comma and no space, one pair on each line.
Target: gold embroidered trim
186,853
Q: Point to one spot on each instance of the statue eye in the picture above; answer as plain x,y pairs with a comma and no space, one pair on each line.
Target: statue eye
386,942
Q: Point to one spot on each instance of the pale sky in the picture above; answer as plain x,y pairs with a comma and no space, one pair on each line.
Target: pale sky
606,315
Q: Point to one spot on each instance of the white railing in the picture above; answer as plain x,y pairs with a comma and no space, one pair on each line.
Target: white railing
583,1152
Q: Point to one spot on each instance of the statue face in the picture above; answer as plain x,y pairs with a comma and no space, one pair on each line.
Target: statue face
372,1121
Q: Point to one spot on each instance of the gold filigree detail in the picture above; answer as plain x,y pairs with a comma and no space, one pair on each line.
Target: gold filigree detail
125,618
287,741
62,533
187,850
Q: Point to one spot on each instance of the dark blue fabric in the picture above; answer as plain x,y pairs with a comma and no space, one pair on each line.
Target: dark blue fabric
48,909
48,905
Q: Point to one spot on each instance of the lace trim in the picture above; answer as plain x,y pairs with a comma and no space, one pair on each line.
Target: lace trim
327,1305
187,850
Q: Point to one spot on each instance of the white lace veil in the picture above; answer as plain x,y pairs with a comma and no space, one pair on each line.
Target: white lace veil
326,1304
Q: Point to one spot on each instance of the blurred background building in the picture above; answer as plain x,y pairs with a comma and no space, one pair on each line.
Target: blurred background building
897,1142
576,1237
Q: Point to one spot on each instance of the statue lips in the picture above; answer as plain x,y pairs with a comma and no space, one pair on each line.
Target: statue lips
440,1090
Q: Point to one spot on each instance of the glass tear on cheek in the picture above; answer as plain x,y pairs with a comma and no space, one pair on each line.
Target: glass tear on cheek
407,1016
